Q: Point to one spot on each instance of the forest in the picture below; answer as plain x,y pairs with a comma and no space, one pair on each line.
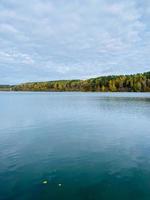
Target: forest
120,83
5,87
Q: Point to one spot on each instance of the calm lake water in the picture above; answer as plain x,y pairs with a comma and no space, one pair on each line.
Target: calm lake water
86,146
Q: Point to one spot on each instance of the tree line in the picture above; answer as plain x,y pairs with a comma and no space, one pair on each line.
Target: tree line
5,87
120,83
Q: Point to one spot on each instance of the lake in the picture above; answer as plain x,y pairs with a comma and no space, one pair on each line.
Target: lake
74,146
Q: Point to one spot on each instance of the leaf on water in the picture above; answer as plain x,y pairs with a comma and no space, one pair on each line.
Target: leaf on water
45,182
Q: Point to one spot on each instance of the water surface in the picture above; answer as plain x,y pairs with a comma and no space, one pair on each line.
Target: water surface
96,145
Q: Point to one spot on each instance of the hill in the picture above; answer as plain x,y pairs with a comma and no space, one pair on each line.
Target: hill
120,83
135,83
5,87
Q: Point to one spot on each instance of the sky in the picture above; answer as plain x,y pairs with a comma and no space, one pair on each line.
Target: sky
72,39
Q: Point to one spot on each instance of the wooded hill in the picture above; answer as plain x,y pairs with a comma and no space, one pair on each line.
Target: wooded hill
5,87
121,83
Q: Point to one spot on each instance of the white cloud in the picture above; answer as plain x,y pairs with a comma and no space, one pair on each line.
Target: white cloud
15,57
5,28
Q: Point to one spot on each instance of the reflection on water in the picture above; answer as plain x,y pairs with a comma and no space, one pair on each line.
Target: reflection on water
96,145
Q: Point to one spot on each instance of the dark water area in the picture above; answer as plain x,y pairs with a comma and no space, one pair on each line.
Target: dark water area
74,146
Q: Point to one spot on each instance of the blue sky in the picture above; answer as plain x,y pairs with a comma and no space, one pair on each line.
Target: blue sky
63,39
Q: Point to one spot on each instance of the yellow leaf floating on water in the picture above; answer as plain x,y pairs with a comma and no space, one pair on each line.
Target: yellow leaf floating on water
45,182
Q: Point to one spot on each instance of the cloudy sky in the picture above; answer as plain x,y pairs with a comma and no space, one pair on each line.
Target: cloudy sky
65,39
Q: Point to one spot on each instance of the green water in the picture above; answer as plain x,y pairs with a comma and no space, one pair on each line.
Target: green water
86,146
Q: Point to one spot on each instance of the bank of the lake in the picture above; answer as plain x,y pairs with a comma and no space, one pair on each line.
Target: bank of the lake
123,83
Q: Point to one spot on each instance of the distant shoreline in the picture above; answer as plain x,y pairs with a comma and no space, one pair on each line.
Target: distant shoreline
48,91
121,83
